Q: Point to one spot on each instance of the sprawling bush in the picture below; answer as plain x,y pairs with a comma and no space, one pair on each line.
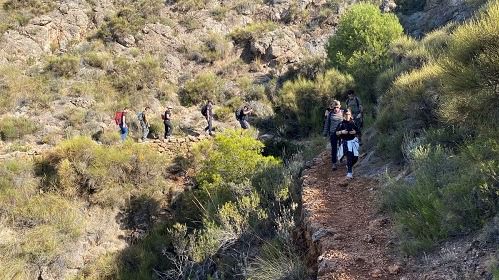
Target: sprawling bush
215,47
304,101
359,46
471,73
46,234
451,195
64,66
442,118
16,127
205,86
130,19
105,175
252,30
129,76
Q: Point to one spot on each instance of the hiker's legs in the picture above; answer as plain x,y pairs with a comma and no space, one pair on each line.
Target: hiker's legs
123,133
168,129
209,127
145,132
351,160
334,147
244,124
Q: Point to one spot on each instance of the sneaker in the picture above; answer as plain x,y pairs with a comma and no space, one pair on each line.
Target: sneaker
349,175
335,167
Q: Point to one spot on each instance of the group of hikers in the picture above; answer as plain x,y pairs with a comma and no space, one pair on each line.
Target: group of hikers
344,130
207,112
342,126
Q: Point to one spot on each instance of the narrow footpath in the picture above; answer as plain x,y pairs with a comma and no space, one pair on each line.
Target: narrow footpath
347,236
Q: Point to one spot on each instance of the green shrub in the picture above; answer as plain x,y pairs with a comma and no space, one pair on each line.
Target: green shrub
131,19
215,47
359,46
102,174
304,101
224,114
16,127
451,195
252,30
471,72
190,5
130,76
64,66
219,12
277,261
19,12
100,60
407,108
205,86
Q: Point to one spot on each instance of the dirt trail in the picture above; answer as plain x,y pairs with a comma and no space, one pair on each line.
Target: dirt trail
352,239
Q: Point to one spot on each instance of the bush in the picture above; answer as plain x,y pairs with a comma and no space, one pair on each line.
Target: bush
190,5
16,127
205,86
215,47
451,195
471,73
252,30
104,175
130,76
100,60
131,19
304,101
409,107
64,66
224,114
45,232
277,261
359,46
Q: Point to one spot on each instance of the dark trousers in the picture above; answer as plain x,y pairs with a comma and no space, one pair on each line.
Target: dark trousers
244,124
351,159
334,147
168,128
209,128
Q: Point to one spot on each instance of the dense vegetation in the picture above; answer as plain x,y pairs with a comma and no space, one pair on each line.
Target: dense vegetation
439,107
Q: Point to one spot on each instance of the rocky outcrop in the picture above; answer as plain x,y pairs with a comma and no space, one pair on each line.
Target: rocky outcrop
436,13
48,33
279,46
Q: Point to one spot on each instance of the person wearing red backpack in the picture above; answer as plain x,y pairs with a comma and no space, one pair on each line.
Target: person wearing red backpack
120,119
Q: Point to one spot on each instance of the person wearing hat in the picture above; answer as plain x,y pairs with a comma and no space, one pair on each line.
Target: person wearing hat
167,122
333,118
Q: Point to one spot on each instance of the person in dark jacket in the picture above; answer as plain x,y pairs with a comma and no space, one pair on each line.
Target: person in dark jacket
167,121
208,114
243,117
334,116
346,131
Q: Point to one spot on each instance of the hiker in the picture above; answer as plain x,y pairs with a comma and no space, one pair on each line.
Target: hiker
333,118
346,131
144,123
120,119
242,117
207,112
167,121
353,103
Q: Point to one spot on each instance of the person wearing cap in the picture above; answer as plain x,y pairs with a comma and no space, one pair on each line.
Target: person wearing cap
167,115
334,117
346,131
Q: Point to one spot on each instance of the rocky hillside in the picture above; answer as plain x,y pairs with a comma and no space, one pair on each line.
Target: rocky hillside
68,65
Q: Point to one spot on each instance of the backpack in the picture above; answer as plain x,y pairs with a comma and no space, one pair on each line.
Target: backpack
204,110
239,114
118,118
